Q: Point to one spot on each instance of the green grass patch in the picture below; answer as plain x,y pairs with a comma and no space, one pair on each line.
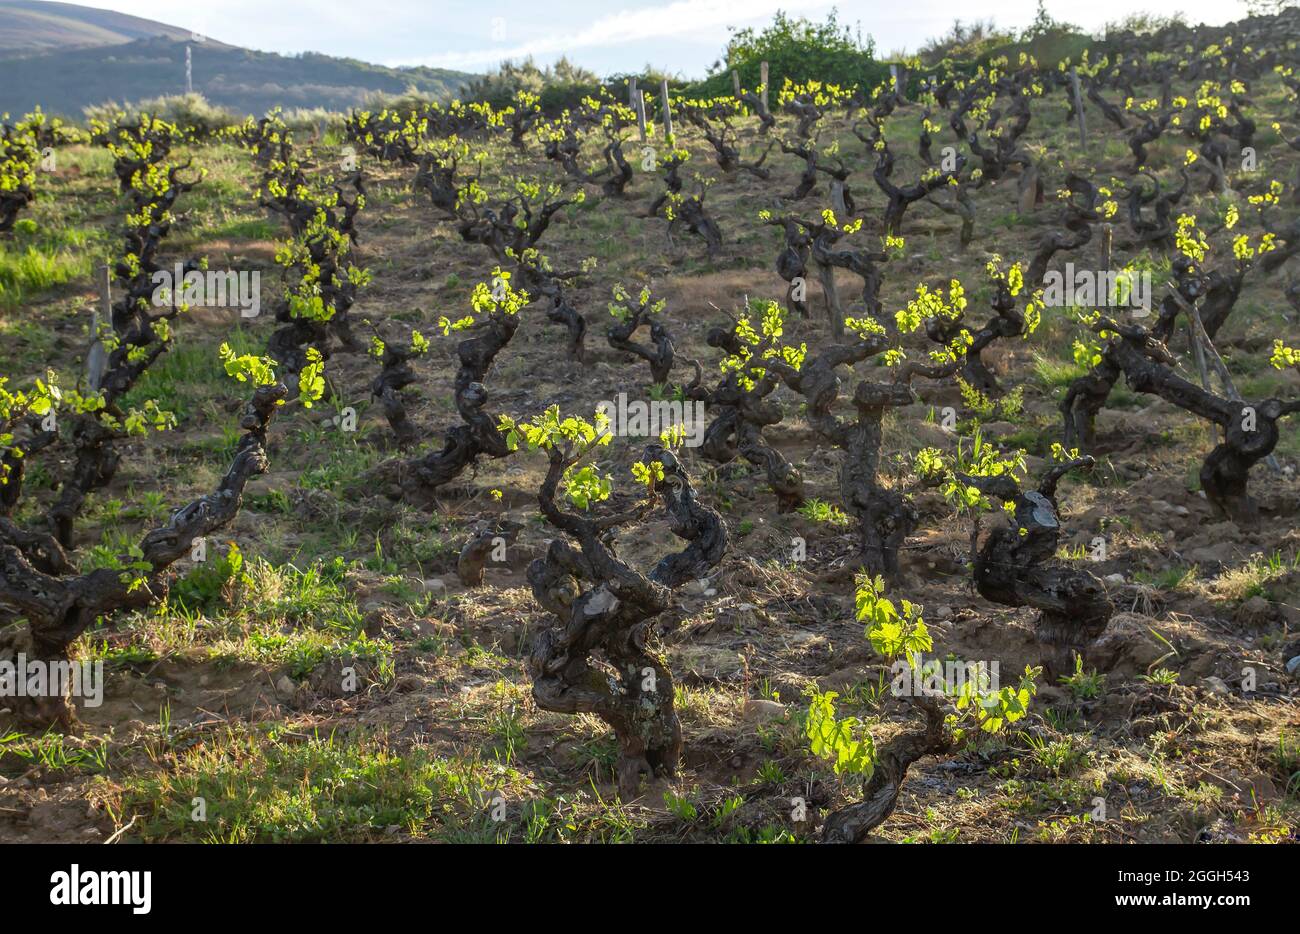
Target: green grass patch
275,787
190,374
26,270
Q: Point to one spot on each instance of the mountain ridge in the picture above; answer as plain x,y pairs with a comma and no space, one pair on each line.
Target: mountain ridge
65,58
42,25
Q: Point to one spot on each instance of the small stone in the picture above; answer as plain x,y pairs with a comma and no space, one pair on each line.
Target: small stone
758,709
407,683
435,585
1114,578
1215,685
600,602
1293,666
944,612
1259,787
1255,611
286,685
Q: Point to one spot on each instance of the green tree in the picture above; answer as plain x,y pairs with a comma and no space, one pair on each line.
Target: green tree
799,49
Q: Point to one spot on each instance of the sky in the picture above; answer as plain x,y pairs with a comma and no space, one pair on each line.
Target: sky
605,36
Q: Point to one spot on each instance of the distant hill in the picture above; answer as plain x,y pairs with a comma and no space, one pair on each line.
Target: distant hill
29,25
66,57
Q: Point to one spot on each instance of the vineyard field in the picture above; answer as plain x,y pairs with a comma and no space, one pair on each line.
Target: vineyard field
910,460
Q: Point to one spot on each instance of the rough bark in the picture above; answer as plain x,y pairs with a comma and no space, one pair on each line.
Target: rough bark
60,607
600,655
659,354
853,824
1016,566
1249,429
395,374
478,548
478,437
737,428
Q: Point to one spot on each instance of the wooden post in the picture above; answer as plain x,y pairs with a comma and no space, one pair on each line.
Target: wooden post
762,72
96,357
189,71
1078,107
837,199
631,92
735,83
1205,352
1029,190
668,111
638,102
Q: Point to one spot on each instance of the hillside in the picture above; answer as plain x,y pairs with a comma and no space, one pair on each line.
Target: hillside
65,58
30,25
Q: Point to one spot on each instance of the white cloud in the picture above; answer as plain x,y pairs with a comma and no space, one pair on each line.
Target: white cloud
681,19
